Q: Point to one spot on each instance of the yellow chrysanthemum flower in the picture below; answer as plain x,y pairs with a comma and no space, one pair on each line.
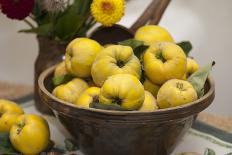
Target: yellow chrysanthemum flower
108,12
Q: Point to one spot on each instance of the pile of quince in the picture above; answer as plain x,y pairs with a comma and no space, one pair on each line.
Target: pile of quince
28,133
114,76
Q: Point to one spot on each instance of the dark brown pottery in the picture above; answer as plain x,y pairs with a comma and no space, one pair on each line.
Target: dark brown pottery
102,132
50,53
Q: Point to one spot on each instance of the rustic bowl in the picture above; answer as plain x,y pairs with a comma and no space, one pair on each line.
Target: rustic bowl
102,132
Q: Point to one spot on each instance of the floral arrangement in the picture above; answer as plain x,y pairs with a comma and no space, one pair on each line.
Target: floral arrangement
63,20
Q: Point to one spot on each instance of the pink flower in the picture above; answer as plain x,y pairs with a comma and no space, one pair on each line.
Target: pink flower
16,9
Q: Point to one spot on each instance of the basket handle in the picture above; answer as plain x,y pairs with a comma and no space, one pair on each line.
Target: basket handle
152,14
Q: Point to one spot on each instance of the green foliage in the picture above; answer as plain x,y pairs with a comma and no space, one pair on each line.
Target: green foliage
199,78
209,151
69,145
65,25
186,46
58,80
42,30
5,145
137,46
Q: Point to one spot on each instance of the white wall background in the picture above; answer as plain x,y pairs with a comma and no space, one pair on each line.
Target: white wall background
206,23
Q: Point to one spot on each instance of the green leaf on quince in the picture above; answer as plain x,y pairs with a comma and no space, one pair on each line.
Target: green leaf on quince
186,46
112,106
199,78
137,46
58,80
209,151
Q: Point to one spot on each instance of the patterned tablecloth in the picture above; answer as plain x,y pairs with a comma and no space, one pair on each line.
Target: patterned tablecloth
199,138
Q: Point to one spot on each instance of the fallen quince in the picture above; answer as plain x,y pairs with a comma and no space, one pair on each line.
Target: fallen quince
124,90
115,59
30,134
9,111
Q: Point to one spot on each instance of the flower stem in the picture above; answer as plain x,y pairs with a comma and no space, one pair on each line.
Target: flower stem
29,23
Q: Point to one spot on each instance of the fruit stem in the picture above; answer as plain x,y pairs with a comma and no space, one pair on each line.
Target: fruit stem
179,85
95,99
117,100
120,63
160,56
20,125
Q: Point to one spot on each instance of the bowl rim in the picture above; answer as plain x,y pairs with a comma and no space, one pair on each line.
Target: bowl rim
182,108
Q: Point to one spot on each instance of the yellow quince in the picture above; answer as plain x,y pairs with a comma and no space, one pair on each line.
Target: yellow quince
164,61
192,66
124,90
60,69
80,54
151,87
89,96
71,91
149,103
9,111
115,59
30,134
151,34
175,92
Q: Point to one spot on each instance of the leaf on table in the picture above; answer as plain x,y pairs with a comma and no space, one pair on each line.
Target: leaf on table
106,107
5,145
186,46
199,78
58,80
137,46
209,151
229,153
189,153
69,145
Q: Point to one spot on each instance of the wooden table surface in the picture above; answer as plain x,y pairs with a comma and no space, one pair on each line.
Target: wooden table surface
13,91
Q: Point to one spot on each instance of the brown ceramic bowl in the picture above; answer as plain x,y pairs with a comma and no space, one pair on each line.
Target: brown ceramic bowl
102,132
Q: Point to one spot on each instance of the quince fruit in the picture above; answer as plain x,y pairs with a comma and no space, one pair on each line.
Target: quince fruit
164,61
80,54
115,59
30,134
175,92
9,111
124,90
151,87
71,91
60,69
192,66
151,34
89,96
149,103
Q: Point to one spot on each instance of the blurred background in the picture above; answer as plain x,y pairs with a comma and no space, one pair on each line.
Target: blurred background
206,23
